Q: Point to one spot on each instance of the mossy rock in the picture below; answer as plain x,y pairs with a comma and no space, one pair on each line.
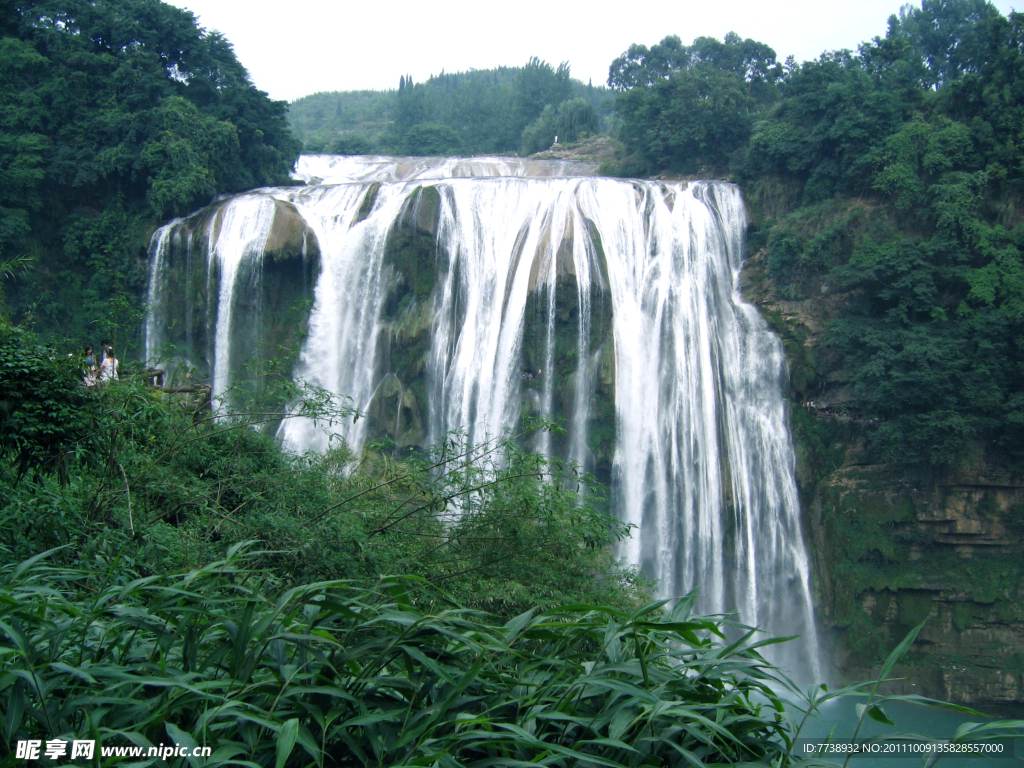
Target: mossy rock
369,200
411,252
396,414
562,372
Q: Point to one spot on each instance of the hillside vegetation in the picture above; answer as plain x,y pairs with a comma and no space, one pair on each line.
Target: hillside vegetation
170,576
489,111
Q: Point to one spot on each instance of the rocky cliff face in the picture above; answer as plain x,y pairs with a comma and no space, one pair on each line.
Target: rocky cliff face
892,546
272,296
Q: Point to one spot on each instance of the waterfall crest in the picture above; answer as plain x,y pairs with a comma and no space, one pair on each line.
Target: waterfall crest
459,295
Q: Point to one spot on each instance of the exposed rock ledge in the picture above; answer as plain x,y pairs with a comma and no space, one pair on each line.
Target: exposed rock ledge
596,150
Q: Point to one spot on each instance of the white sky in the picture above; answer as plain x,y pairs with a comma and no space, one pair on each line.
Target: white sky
293,48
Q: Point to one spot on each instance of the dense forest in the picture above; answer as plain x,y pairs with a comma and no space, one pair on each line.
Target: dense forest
115,115
488,111
168,575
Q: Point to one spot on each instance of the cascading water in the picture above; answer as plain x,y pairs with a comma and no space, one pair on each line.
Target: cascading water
610,304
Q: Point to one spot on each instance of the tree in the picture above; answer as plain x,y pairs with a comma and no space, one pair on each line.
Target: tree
947,35
486,109
569,121
45,414
538,84
122,111
825,131
183,155
690,107
427,139
641,66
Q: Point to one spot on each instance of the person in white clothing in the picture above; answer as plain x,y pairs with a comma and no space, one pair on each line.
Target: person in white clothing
89,368
109,364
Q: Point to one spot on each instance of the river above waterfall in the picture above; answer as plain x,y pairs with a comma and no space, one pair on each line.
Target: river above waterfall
461,294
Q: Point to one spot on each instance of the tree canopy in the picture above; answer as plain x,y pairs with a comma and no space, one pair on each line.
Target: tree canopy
689,108
487,111
921,133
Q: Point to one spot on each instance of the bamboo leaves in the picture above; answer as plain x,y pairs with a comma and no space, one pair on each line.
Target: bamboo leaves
362,676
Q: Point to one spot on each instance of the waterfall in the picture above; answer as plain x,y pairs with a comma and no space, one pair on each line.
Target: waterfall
460,294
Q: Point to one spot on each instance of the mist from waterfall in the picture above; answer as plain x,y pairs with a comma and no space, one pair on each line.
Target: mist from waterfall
526,258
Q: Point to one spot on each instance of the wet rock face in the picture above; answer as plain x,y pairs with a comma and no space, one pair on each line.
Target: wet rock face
947,550
290,266
412,253
272,297
417,263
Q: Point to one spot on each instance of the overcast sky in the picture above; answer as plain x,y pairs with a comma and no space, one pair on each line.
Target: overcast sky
293,48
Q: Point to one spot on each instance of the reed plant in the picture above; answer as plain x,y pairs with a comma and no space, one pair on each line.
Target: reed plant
336,674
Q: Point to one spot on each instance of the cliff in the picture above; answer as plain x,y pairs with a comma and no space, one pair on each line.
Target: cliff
893,545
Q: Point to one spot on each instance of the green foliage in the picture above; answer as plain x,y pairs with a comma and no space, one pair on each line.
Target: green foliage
140,86
689,108
499,528
245,655
807,244
895,181
190,582
949,35
919,153
337,675
9,270
332,674
426,139
930,342
44,411
164,480
823,133
183,154
352,144
485,111
569,121
640,67
487,108
320,119
538,84
117,110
